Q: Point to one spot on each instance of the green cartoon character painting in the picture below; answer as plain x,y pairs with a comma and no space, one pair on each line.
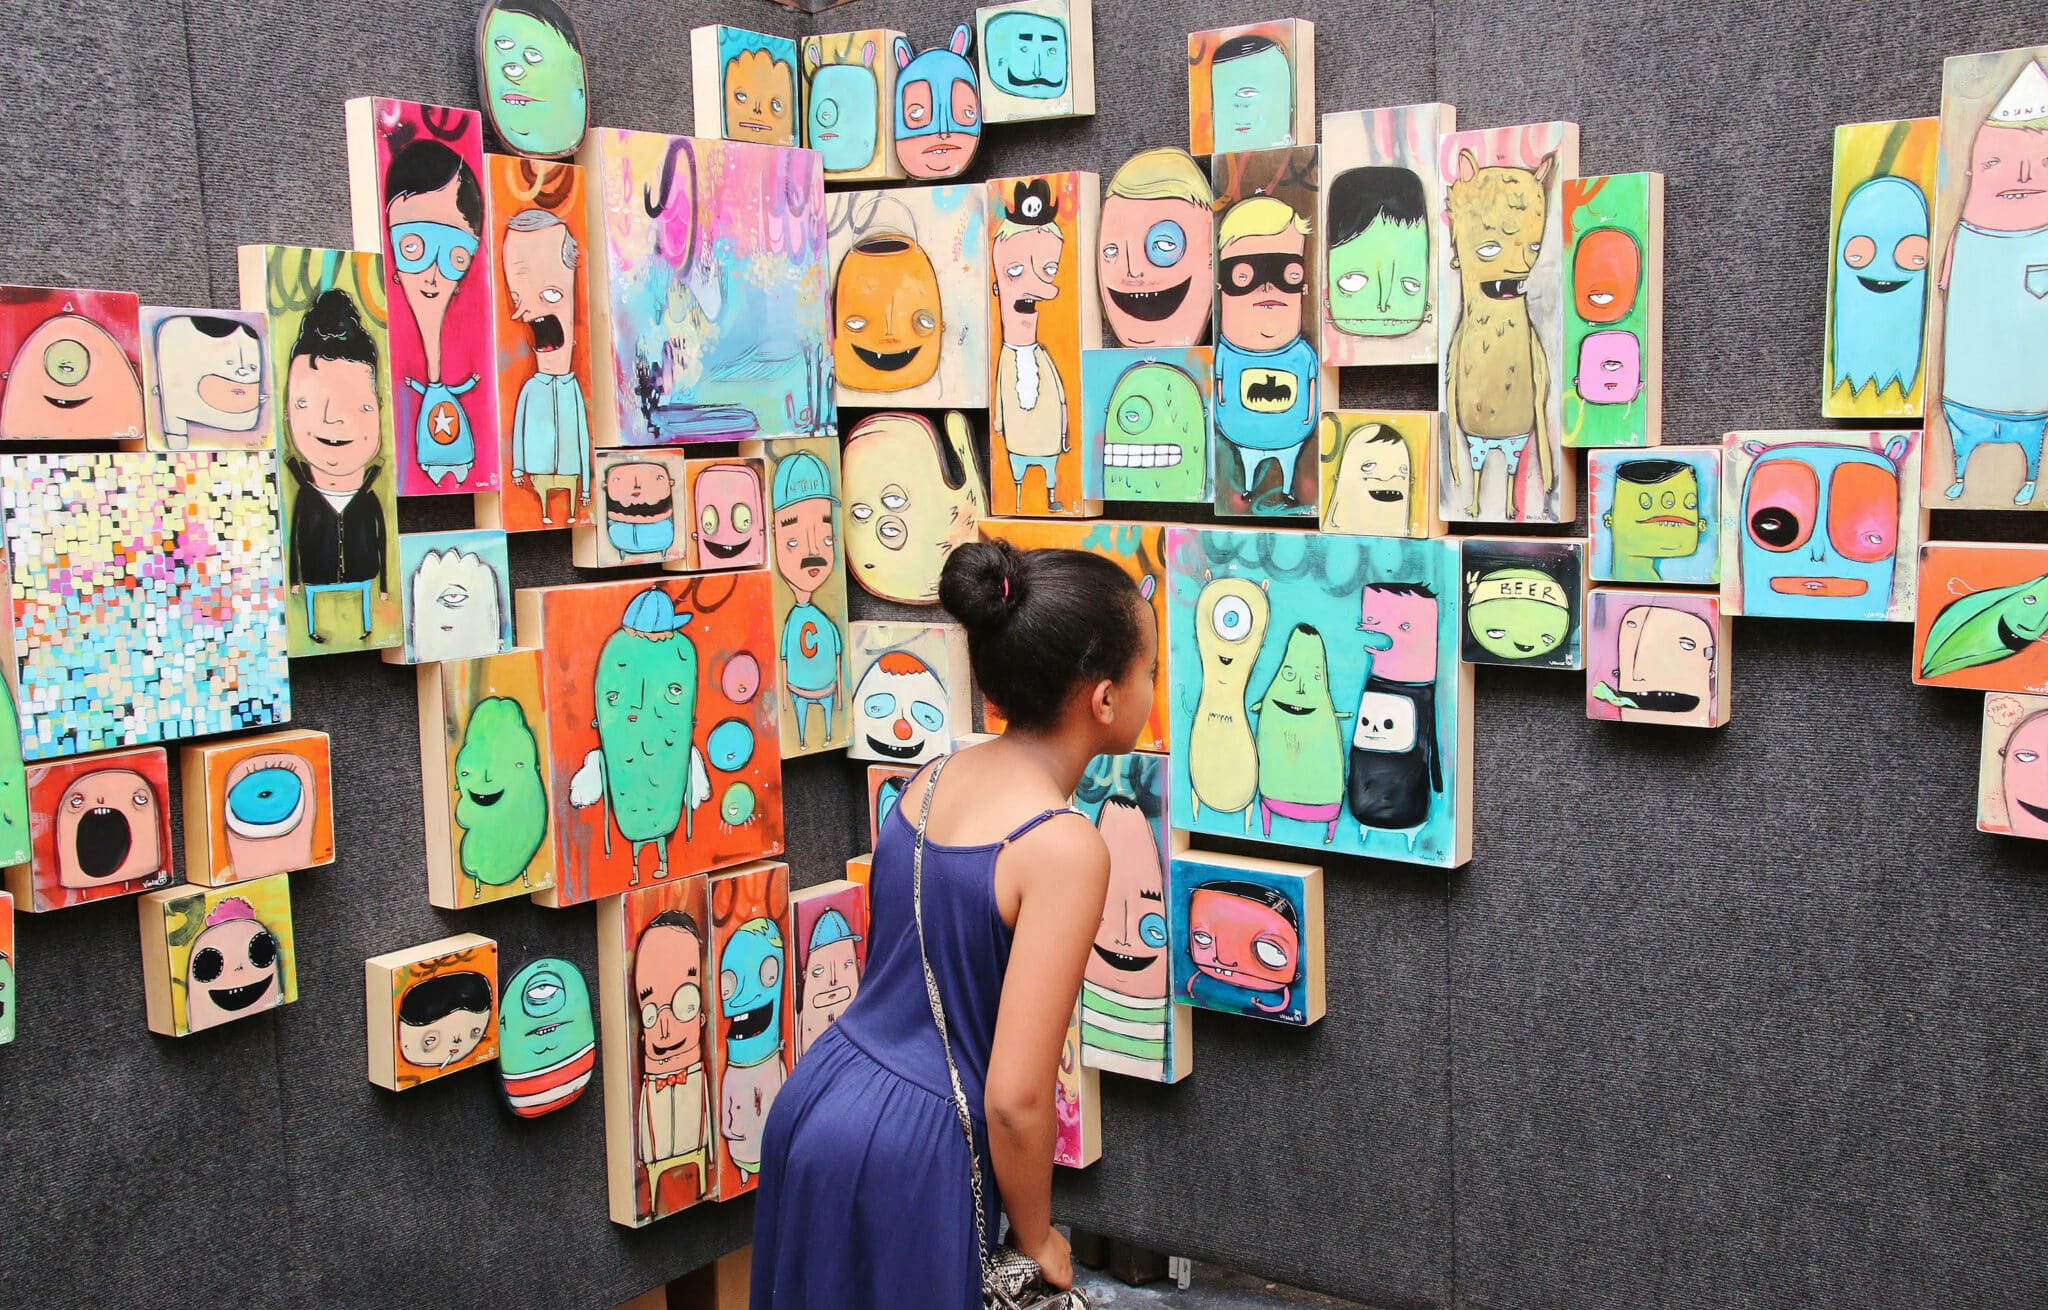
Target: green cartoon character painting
530,67
1515,615
501,804
1300,750
547,1040
1155,436
13,784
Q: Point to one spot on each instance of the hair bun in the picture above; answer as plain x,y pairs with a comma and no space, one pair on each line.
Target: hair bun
983,584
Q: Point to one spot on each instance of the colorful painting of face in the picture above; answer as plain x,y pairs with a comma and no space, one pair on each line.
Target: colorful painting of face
1128,1022
805,528
1381,197
1377,620
745,85
483,771
727,528
909,287
830,921
1267,377
711,291
1251,87
210,957
457,589
1879,224
1037,59
1139,549
8,956
751,1036
1146,417
1502,331
910,691
651,967
1523,601
1818,524
910,500
204,371
849,94
1982,617
542,307
431,1010
637,494
416,178
1987,318
885,790
72,361
639,676
98,828
1658,657
257,806
1656,516
327,344
147,597
2012,772
1158,251
938,109
1247,936
1379,473
530,68
547,1038
1614,329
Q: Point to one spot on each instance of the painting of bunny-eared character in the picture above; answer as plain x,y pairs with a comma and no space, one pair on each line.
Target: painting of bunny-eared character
214,955
206,374
1037,60
1381,195
752,1030
1320,702
710,296
744,85
257,805
910,279
99,827
1247,936
431,1010
70,365
664,755
849,101
484,779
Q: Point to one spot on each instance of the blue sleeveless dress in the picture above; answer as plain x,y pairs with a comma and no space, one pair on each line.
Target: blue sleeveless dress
864,1201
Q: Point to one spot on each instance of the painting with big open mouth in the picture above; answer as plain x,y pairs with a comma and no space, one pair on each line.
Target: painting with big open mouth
1658,657
752,1044
1146,417
213,956
98,827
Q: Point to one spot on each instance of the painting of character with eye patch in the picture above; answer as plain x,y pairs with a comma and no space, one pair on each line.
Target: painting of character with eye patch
1158,248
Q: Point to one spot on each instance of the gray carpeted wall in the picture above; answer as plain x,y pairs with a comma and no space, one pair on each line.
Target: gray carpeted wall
1742,1018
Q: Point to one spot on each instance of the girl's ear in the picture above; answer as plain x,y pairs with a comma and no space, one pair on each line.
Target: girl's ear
1102,702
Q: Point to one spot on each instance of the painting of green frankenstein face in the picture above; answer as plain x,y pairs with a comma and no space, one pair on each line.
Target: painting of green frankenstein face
1251,90
530,66
1378,276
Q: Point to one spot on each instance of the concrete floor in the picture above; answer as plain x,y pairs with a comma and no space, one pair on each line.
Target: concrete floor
1212,1289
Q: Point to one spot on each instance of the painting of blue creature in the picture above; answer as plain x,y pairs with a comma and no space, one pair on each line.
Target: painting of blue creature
1656,515
1037,60
938,109
752,1048
1247,936
849,104
1330,708
1878,274
1818,523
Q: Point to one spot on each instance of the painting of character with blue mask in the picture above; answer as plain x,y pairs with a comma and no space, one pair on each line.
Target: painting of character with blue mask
1880,287
938,109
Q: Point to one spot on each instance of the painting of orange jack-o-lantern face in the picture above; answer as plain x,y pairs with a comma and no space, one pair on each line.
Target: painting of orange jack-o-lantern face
71,377
887,322
108,829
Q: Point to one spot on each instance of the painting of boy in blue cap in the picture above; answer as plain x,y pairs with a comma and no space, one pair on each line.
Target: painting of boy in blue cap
830,977
813,648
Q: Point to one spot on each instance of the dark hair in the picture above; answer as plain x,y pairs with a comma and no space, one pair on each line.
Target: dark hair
444,994
222,328
1237,47
544,11
332,329
1360,195
674,919
1647,471
1041,624
424,167
1272,898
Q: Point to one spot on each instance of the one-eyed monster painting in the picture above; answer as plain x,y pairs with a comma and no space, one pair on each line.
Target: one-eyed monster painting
1880,223
535,89
484,770
1330,702
547,1037
456,594
1381,195
1037,59
1247,936
1982,617
910,500
70,365
850,104
650,687
744,84
1523,601
1158,250
938,108
1145,416
1379,473
1614,315
1252,87
751,1033
207,378
1656,515
257,805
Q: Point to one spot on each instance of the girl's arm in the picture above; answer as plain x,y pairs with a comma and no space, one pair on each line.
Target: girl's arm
1059,910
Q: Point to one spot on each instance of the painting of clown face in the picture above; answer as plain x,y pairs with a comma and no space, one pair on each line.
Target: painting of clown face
909,693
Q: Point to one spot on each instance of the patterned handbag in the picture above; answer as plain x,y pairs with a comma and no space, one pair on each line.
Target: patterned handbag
1010,1280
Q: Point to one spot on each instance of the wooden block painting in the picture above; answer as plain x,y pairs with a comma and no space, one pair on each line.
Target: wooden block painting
910,690
431,1010
1145,417
1982,616
147,597
860,869
910,296
652,968
1820,524
1656,516
885,791
1248,936
910,499
1378,473
635,520
1252,87
417,195
806,531
2012,766
849,104
1077,1104
328,346
1878,227
1158,235
541,308
663,751
14,826
1987,318
99,827
535,88
1361,741
484,779
751,1034
207,378
73,365
1503,373
710,298
1524,601
1129,1024
1381,196
830,925
1044,315
211,956
1267,384
1614,321
457,596
938,107
8,957
1658,657
547,1037
728,529
1139,549
743,85
257,806
1037,59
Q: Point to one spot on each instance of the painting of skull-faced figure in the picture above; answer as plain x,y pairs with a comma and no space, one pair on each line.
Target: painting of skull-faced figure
664,755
